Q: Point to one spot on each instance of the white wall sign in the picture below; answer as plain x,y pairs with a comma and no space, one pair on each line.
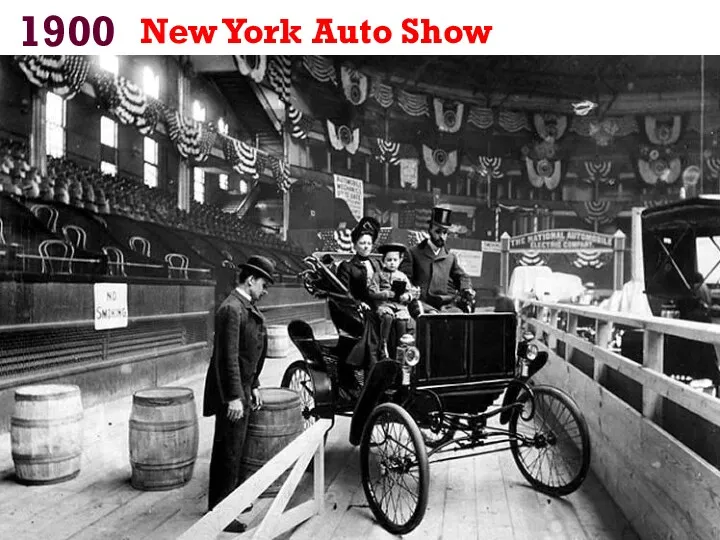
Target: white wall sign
111,307
470,261
351,191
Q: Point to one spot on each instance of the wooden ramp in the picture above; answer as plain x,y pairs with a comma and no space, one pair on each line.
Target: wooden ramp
483,497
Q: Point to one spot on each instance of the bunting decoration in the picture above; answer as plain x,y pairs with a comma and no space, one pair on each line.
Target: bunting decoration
530,258
281,173
448,116
355,85
713,164
242,157
129,105
550,127
439,161
513,121
480,117
300,124
413,104
604,131
589,259
343,240
63,75
596,212
192,139
388,152
491,166
422,218
658,164
544,172
279,76
321,68
343,138
252,66
382,93
662,134
599,171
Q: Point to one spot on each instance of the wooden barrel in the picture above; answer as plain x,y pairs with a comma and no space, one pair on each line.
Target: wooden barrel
46,433
278,341
271,429
163,438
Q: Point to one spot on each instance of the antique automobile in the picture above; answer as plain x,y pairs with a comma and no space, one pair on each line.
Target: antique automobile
681,256
460,387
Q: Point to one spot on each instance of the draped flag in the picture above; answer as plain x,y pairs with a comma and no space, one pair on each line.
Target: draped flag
63,75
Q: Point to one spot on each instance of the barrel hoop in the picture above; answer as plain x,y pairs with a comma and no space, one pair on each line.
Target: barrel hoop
289,405
138,425
28,423
44,458
274,431
163,466
45,397
163,401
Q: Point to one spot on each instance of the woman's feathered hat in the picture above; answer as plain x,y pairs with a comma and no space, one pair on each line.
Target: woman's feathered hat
367,225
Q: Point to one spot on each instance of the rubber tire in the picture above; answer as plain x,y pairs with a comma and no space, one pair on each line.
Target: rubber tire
423,467
574,411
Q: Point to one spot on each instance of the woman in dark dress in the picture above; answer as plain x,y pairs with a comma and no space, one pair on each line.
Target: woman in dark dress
356,274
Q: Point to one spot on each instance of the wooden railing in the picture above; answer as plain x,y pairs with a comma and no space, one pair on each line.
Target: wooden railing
665,488
299,452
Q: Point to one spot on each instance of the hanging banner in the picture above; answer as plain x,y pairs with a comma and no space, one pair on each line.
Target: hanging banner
562,241
409,173
470,261
351,191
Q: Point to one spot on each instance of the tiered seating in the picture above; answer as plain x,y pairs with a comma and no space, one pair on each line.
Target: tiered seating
145,220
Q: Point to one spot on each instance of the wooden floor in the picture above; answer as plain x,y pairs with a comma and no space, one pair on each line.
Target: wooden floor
483,497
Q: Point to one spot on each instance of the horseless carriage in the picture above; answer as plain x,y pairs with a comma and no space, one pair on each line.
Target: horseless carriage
436,399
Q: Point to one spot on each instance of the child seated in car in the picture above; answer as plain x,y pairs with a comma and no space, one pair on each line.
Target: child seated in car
392,291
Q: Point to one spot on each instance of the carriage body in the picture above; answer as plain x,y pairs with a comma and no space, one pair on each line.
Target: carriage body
461,383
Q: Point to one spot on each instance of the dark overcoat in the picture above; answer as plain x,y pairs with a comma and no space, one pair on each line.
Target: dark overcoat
436,275
238,353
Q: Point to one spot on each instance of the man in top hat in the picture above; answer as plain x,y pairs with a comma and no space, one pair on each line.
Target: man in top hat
432,268
232,384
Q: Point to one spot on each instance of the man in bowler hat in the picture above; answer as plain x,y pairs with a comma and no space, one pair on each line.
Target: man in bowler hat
432,268
232,384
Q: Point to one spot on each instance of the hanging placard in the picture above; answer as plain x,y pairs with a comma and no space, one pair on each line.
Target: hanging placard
409,173
351,191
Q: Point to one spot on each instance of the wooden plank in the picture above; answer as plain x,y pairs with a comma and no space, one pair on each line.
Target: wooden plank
491,504
704,405
460,513
661,480
214,522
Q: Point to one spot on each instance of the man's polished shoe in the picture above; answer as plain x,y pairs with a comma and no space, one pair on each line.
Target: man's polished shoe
235,527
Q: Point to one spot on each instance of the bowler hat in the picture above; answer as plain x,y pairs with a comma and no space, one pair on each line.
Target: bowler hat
261,266
367,225
387,248
441,216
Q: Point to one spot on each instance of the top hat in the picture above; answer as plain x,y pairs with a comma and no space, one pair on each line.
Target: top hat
387,248
262,266
441,216
367,225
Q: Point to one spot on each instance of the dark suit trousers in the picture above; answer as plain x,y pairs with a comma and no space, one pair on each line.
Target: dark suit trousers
227,451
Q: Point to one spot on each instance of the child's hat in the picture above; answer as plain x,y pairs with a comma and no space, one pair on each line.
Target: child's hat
387,248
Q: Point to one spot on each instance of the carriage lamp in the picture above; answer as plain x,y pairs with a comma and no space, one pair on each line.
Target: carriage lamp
409,356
